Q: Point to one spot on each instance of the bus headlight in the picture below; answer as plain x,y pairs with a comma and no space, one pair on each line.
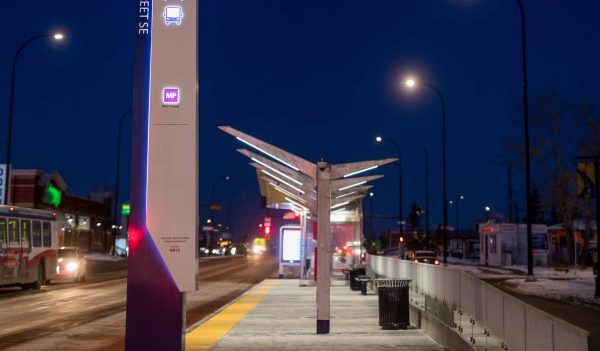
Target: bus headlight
72,266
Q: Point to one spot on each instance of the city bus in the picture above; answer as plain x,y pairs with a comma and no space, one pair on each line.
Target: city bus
28,246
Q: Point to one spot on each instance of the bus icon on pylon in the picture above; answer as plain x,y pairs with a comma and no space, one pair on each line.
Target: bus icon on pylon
173,15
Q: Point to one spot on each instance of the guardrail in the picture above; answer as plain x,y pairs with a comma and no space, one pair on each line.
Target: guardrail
479,311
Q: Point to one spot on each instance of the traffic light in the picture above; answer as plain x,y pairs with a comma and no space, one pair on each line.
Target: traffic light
267,229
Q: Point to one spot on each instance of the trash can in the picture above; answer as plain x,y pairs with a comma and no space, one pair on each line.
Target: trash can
393,303
354,271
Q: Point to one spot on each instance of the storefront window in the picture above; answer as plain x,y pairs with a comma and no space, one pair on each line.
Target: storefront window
70,219
83,223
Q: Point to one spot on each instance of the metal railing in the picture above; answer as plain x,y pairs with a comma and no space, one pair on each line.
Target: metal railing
480,312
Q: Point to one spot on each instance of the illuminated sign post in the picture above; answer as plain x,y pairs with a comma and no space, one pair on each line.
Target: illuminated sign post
290,247
164,204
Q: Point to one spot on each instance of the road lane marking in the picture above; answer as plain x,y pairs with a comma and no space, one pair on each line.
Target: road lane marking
208,334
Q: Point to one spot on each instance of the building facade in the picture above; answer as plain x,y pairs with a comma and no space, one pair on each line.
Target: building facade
87,220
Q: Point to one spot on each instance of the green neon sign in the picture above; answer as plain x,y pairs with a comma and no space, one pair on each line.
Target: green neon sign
125,209
52,195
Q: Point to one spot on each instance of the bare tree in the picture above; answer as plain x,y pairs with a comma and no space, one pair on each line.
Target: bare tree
559,130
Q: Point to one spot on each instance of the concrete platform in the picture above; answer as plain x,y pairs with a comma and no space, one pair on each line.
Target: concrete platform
281,315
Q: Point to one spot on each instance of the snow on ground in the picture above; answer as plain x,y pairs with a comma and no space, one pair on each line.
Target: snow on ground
562,284
562,289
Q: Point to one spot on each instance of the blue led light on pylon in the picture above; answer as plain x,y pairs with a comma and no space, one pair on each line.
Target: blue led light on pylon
173,15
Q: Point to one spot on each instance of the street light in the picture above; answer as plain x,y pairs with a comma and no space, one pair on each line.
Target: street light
212,197
55,36
118,164
411,83
457,203
229,205
426,197
380,139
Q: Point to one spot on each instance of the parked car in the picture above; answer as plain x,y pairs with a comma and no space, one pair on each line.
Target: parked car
422,256
71,264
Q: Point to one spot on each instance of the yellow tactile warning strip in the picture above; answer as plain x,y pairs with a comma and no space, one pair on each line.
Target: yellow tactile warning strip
208,334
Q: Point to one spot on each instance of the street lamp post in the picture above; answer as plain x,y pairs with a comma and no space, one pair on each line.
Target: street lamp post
487,212
426,197
457,203
380,139
118,165
411,83
530,276
58,37
229,205
212,197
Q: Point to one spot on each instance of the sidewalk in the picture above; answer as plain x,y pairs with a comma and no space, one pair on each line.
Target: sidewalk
280,315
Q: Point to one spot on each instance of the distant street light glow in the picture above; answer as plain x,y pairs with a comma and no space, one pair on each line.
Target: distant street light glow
59,36
378,139
487,208
410,83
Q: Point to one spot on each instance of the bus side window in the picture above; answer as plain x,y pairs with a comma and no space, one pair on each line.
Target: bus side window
47,234
36,233
3,236
25,233
13,232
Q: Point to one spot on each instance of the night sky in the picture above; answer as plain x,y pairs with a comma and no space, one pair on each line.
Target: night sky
317,78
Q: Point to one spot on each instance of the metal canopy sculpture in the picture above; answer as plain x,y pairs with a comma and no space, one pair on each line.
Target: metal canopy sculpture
300,180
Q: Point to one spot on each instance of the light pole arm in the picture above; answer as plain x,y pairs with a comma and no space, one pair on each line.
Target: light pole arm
445,198
11,109
400,186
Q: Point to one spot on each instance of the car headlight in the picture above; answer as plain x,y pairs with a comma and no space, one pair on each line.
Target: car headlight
61,259
72,266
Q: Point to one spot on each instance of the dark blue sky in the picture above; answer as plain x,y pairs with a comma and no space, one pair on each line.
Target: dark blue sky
317,78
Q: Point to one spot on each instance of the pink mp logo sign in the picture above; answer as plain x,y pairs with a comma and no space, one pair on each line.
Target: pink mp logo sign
170,96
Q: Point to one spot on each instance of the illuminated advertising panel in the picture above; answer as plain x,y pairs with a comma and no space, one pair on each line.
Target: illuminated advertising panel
290,245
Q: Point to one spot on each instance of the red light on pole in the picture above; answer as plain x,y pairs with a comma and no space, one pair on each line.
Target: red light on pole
267,232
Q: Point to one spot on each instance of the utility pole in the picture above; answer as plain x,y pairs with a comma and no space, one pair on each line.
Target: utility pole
510,196
596,160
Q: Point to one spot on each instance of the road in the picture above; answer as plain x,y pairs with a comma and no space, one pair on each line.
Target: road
91,316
